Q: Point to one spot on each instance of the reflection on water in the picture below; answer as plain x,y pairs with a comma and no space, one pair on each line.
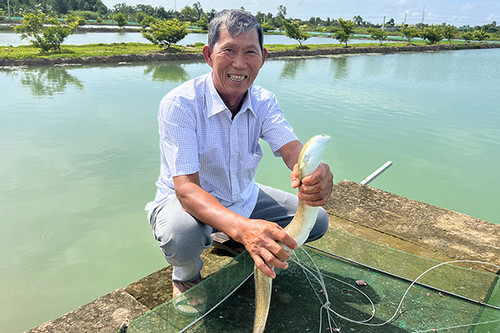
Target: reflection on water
338,67
291,67
47,81
172,72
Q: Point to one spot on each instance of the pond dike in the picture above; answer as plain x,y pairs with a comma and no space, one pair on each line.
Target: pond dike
165,56
363,213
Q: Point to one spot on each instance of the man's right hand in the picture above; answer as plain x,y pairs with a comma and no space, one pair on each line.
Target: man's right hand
261,239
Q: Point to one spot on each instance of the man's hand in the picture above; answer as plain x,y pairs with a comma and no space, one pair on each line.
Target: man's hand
261,239
316,188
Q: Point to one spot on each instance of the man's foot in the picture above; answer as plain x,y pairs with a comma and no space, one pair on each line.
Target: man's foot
194,301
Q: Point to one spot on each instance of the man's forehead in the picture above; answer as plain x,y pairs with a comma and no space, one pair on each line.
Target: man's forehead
251,36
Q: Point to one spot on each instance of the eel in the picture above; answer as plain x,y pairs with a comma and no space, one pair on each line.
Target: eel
299,228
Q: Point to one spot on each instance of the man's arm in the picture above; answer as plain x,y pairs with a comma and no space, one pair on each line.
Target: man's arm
314,189
260,237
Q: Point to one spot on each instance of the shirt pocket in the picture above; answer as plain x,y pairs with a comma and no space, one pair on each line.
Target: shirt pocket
249,164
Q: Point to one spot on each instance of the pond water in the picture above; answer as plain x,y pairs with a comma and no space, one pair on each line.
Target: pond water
11,38
79,156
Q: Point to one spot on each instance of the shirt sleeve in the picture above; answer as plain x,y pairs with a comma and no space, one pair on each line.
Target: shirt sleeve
275,128
178,140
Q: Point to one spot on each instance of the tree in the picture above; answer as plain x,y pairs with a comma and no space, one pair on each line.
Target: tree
202,23
188,14
147,21
295,31
277,21
281,12
121,19
377,34
358,20
344,31
480,35
198,9
165,32
468,36
266,27
449,32
46,33
433,34
409,32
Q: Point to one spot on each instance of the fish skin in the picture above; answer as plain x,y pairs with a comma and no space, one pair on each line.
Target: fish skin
299,228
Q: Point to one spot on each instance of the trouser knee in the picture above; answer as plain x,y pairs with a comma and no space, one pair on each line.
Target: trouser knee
182,239
320,227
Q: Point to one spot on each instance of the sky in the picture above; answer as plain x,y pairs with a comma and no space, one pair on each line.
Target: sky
454,12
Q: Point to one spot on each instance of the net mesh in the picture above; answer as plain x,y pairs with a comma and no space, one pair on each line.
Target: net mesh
298,300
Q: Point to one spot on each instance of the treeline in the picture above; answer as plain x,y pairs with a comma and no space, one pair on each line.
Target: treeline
95,10
17,8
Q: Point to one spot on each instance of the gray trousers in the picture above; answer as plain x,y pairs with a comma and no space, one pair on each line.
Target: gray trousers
182,238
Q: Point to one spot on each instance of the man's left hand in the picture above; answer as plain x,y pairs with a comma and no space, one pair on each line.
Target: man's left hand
316,188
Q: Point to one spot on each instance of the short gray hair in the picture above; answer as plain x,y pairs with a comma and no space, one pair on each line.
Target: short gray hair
236,21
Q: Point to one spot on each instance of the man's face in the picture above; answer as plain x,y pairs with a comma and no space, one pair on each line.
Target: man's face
235,61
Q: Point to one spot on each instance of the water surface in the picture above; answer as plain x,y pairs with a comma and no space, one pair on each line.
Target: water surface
79,156
81,38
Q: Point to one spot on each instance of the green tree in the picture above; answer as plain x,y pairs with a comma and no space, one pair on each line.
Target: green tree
188,14
409,32
202,23
344,31
281,12
468,36
480,35
121,19
165,32
277,21
198,9
433,34
449,32
147,21
377,34
358,20
46,33
266,27
295,31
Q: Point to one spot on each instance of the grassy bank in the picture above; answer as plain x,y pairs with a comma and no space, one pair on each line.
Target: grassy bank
95,50
88,50
28,55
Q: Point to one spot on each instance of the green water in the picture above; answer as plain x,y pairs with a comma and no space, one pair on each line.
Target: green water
79,157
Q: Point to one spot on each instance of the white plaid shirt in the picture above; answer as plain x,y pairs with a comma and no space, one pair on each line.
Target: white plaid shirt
198,135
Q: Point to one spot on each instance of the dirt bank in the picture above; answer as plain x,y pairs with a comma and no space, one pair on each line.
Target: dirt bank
275,54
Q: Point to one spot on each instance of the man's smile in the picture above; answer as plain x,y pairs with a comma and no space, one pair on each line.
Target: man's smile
236,78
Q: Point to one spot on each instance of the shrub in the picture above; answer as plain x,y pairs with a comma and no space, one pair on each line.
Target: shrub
46,33
433,34
163,32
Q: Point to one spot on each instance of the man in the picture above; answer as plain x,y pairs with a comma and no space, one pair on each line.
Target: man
209,131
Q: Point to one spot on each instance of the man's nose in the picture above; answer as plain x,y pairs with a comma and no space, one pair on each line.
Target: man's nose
239,60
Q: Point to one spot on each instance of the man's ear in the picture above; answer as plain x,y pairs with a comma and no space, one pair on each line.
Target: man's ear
207,53
264,56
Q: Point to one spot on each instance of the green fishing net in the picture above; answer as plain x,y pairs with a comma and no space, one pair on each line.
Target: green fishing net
352,296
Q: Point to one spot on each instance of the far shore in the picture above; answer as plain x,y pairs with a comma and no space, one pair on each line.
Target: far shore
165,56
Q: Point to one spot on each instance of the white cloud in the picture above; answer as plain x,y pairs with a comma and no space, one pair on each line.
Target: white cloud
467,6
492,17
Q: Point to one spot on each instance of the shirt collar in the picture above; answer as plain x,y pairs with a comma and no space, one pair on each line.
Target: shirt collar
215,104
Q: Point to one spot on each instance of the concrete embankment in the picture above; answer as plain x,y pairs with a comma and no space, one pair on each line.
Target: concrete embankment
359,211
137,58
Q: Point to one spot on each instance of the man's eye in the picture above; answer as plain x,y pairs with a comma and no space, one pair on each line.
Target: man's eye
228,50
